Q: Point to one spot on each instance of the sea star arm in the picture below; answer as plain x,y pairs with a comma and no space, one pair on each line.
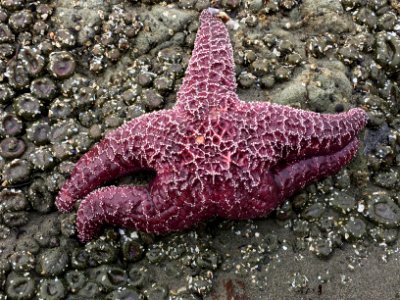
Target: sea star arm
128,206
124,206
302,147
318,147
132,147
281,134
293,177
159,208
211,67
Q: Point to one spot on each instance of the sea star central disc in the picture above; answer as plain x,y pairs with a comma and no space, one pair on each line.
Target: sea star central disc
214,155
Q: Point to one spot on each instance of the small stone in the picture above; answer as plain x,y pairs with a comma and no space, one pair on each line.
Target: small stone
6,36
342,201
6,50
6,93
246,79
32,60
384,235
282,73
383,210
20,286
254,5
51,289
131,250
52,262
356,228
260,67
124,293
16,219
17,171
12,200
145,79
40,197
314,211
20,20
42,159
267,81
27,107
322,247
387,21
231,4
163,84
64,38
389,179
22,261
38,133
43,88
152,99
60,109
75,280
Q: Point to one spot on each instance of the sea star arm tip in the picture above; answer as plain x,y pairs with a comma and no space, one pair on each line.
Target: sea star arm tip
121,206
211,67
64,202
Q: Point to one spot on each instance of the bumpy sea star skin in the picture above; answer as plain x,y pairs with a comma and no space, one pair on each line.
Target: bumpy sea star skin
214,155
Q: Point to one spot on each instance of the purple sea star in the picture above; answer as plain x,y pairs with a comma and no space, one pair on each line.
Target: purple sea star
214,155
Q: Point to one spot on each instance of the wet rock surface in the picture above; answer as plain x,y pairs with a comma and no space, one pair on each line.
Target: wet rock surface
71,72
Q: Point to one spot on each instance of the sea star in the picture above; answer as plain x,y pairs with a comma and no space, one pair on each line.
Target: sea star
214,155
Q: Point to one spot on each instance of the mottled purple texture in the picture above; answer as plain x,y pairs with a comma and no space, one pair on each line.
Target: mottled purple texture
214,155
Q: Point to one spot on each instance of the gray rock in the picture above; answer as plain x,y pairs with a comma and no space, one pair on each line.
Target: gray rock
161,23
319,88
318,11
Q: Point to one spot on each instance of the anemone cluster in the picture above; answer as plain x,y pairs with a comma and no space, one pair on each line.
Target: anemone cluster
69,73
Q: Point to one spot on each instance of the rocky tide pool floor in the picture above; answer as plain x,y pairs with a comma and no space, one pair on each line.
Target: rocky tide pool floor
70,72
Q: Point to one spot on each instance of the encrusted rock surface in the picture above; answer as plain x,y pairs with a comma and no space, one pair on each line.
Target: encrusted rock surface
70,72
